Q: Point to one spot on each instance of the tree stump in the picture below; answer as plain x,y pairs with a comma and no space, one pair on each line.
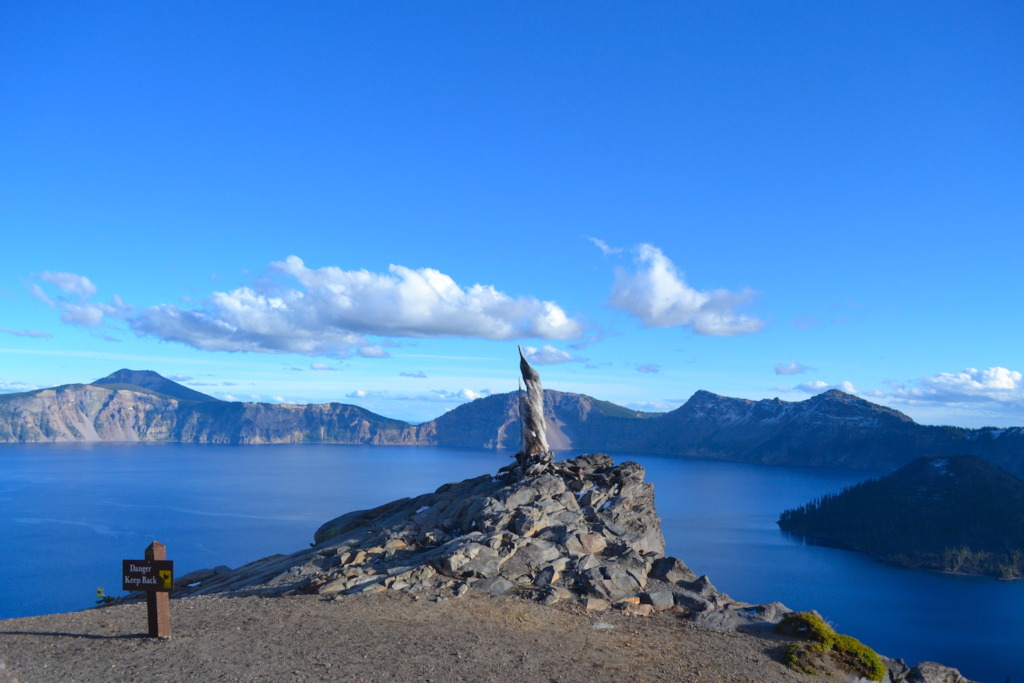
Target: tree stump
535,456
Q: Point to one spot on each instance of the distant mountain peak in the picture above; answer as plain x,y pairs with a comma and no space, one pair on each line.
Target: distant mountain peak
703,396
153,381
126,376
837,394
833,396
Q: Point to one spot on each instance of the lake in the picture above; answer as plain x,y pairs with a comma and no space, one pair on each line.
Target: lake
69,513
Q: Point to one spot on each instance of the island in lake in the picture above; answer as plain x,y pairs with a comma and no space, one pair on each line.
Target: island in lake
954,514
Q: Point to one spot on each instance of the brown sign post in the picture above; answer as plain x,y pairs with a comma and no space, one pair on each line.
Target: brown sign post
155,576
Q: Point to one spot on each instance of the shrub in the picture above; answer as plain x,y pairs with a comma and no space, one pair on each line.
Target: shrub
821,643
102,598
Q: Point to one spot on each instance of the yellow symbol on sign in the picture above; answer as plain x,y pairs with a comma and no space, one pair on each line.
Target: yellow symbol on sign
165,576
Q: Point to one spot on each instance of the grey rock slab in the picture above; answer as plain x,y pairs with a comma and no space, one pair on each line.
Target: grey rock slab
672,570
932,672
495,585
660,599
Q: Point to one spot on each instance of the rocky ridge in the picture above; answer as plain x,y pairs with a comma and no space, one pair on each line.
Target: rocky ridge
586,534
832,429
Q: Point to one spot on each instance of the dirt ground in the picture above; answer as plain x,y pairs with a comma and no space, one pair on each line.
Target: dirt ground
380,637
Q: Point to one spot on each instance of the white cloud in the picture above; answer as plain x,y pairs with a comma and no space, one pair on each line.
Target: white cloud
603,246
415,375
548,355
649,369
791,368
38,293
996,384
322,367
817,387
70,283
970,398
35,334
435,396
657,294
373,352
334,309
85,315
470,395
653,406
8,387
79,312
233,325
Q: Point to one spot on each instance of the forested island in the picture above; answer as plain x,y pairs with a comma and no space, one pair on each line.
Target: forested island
953,514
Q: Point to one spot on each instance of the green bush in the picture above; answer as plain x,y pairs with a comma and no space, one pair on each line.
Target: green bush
821,643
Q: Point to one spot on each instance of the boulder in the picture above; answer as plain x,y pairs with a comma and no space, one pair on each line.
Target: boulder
930,672
672,570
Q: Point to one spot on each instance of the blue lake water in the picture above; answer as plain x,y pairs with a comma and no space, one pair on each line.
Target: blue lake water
69,513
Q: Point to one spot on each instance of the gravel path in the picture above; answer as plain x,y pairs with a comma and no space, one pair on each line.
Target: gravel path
381,637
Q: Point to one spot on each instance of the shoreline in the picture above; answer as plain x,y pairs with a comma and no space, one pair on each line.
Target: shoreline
828,542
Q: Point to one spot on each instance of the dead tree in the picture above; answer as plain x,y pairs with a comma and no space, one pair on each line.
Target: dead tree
534,457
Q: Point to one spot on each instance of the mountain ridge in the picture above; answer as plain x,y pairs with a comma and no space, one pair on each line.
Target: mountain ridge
832,429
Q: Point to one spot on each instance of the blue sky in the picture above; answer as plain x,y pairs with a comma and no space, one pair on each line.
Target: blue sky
374,203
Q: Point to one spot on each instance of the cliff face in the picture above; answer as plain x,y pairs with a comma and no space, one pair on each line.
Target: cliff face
86,413
262,423
829,430
115,412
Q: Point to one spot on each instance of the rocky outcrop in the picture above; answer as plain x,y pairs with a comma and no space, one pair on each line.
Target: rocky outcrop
586,533
931,672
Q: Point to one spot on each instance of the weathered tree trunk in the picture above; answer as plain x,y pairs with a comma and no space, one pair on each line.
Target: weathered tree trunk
534,457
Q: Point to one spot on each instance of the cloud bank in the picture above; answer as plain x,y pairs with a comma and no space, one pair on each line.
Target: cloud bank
656,293
328,312
435,396
996,384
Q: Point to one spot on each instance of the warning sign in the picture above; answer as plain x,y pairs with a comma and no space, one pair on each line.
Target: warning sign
148,575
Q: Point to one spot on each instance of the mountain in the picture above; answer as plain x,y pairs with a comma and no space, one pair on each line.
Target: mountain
832,429
144,406
959,514
147,379
574,422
